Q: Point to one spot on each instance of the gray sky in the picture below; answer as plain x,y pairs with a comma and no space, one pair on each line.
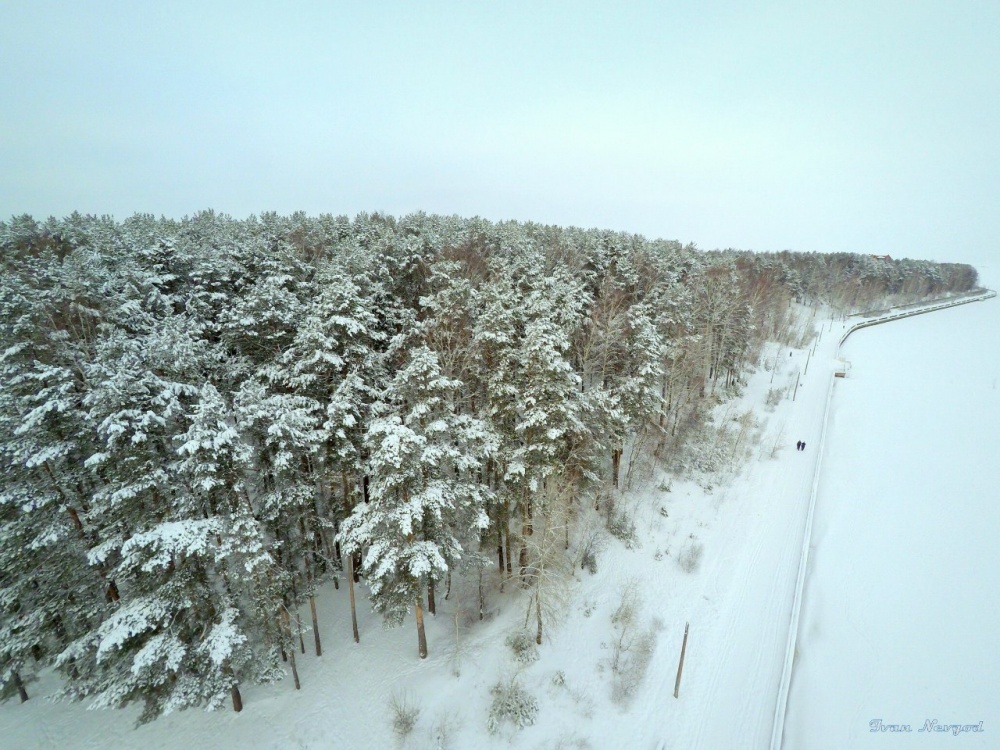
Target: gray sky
857,125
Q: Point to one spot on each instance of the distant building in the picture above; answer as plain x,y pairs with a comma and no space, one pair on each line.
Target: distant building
882,257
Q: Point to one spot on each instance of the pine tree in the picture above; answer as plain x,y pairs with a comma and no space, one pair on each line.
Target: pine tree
337,359
48,592
426,506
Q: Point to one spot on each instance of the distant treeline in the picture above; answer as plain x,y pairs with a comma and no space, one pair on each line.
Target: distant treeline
203,420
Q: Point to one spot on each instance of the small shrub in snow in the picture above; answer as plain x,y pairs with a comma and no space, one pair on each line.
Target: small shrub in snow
774,397
522,644
690,557
622,527
624,621
559,679
633,668
632,648
591,546
443,732
620,524
511,703
404,716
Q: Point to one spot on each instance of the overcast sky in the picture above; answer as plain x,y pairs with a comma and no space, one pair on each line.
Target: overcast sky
859,125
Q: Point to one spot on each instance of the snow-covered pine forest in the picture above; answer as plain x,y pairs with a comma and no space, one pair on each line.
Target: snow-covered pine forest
203,421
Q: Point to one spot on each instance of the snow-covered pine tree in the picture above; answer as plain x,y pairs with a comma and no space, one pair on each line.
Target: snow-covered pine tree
337,359
523,340
165,507
427,505
48,593
282,436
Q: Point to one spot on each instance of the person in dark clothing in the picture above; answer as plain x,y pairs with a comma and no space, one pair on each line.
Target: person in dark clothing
798,446
803,445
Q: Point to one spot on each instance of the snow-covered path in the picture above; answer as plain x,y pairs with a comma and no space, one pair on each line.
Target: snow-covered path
740,625
902,596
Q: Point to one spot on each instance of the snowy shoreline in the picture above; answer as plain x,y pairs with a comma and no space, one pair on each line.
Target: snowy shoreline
863,662
793,634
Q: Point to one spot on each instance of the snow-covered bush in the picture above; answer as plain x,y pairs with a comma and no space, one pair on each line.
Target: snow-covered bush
522,644
620,523
622,527
511,703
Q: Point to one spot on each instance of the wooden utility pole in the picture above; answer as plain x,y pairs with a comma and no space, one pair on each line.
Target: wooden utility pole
680,664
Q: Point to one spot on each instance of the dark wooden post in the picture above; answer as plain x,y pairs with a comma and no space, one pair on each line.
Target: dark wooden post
680,664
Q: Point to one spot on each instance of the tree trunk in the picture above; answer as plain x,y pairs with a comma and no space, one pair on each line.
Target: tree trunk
663,399
286,622
20,687
431,607
295,669
298,624
350,590
76,519
421,636
237,698
331,560
506,538
527,529
315,619
538,616
352,575
616,459
482,596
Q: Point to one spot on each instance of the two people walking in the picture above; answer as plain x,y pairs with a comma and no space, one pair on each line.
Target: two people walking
801,445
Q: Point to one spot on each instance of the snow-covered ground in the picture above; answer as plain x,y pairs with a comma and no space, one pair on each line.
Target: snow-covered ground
737,599
902,599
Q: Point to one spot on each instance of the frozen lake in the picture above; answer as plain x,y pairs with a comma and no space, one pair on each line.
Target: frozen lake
902,597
